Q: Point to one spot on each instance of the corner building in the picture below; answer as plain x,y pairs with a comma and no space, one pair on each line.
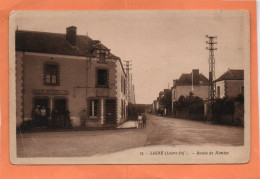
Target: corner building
69,72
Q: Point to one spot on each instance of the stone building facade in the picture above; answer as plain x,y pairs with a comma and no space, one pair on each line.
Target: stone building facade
69,72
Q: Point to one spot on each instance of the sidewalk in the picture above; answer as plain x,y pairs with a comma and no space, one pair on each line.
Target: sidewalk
128,125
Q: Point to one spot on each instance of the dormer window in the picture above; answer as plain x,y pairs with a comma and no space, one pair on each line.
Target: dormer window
102,55
100,51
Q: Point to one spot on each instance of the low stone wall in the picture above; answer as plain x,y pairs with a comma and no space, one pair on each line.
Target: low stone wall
239,114
232,119
186,114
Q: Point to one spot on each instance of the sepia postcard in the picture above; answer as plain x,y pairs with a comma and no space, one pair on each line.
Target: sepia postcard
129,87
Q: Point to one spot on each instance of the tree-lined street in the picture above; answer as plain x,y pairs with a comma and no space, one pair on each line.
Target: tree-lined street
159,131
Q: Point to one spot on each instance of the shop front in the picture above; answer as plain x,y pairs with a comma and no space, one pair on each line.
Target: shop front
50,108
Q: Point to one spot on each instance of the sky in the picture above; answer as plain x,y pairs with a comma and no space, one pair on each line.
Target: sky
160,44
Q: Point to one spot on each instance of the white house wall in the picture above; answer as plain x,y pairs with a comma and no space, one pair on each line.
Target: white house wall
200,91
221,85
120,94
233,87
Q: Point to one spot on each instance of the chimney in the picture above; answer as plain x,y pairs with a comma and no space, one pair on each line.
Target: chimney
195,76
195,72
71,34
174,83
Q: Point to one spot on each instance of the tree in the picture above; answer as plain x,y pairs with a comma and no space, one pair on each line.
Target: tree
166,100
182,102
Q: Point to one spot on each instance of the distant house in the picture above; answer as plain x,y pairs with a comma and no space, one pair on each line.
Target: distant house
155,106
160,105
231,83
193,82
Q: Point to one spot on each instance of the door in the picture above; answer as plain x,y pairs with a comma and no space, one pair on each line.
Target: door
110,111
60,118
61,106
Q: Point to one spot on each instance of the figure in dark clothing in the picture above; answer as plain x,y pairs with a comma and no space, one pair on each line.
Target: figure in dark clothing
144,121
140,121
161,112
36,116
67,119
83,119
54,117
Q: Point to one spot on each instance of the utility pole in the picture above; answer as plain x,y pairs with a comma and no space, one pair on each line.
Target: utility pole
127,66
128,85
212,86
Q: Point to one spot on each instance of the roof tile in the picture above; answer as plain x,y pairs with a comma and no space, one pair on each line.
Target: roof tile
231,74
54,43
186,80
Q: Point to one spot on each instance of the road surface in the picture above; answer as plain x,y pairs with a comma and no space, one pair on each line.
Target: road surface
173,131
159,131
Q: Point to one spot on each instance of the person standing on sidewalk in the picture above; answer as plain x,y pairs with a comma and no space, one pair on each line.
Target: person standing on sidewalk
83,118
140,125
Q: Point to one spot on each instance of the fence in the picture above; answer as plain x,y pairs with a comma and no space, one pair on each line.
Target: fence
192,111
229,111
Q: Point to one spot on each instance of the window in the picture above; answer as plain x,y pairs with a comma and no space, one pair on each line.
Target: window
123,111
51,74
218,91
102,57
93,108
173,94
102,77
124,86
122,108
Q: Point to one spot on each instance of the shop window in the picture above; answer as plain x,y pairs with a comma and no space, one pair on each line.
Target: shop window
51,74
93,108
102,78
41,107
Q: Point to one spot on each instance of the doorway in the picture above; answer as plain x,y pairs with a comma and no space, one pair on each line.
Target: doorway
110,111
60,115
60,105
